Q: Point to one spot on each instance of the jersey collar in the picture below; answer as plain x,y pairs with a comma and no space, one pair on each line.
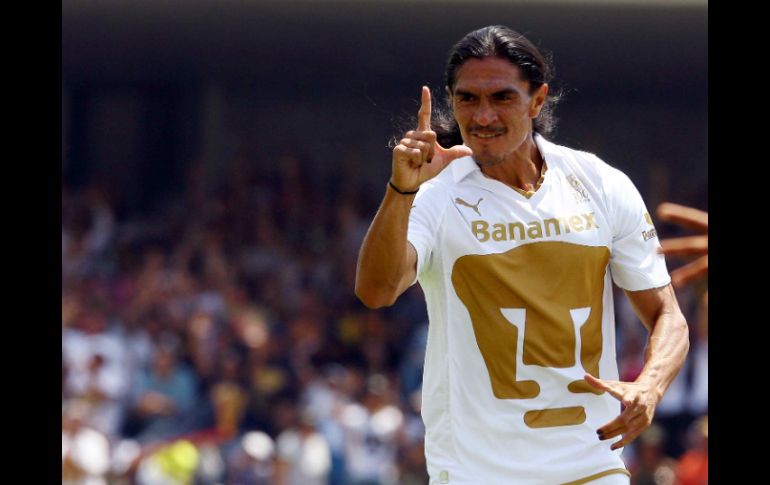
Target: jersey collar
462,167
548,150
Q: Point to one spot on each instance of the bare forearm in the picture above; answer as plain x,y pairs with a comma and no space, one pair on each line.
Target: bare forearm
666,351
382,261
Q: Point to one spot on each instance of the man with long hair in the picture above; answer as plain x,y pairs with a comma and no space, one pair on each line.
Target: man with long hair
516,242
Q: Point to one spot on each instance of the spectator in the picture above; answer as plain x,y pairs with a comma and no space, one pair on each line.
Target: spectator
85,450
165,396
651,465
693,466
372,430
93,357
252,461
303,455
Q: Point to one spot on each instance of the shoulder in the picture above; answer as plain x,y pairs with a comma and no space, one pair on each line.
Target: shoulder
585,161
587,165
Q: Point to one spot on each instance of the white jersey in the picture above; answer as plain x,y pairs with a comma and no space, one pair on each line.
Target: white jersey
519,298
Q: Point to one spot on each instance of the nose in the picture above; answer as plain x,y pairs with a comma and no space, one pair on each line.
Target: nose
485,114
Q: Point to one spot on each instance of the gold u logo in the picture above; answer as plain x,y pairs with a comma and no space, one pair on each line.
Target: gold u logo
551,292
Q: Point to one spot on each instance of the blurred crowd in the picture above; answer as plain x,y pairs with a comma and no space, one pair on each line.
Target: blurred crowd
218,340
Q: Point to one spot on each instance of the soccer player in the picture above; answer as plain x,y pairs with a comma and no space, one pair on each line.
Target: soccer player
516,241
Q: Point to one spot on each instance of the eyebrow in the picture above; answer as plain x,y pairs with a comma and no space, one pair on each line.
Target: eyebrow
506,91
463,93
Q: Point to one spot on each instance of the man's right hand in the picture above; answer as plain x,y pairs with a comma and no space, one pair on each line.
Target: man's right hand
418,156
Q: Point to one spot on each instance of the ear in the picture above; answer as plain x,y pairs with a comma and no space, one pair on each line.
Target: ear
538,100
449,97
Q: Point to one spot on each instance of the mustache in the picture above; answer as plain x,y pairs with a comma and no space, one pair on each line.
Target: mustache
486,130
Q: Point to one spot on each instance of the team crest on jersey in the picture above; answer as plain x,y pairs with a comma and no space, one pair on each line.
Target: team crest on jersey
647,235
579,192
475,206
652,233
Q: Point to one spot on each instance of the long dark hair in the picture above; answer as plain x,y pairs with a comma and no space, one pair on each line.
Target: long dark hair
506,43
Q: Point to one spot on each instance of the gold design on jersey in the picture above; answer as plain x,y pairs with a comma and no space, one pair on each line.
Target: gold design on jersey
518,231
647,218
582,386
548,418
559,287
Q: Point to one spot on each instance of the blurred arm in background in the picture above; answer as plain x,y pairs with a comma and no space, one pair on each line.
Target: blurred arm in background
689,246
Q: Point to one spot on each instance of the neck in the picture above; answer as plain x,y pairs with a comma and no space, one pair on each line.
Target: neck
521,168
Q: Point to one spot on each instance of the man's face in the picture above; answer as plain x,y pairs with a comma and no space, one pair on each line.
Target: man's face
494,108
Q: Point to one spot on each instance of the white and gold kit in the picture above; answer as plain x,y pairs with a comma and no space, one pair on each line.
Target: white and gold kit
519,298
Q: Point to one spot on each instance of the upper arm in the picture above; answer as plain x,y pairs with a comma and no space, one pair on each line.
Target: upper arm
651,304
636,263
410,274
424,231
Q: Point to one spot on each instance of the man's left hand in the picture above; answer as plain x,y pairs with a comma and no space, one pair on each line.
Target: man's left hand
639,400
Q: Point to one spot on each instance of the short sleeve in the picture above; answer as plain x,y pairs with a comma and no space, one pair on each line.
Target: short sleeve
428,209
635,262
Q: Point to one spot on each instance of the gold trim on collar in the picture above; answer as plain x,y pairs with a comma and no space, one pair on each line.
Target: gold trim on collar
530,193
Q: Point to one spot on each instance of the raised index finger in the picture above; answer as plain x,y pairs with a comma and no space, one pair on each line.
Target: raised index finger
423,116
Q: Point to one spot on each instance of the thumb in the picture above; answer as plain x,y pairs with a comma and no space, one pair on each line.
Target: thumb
454,152
460,151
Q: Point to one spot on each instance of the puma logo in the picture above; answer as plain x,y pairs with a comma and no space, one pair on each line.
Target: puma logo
475,206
